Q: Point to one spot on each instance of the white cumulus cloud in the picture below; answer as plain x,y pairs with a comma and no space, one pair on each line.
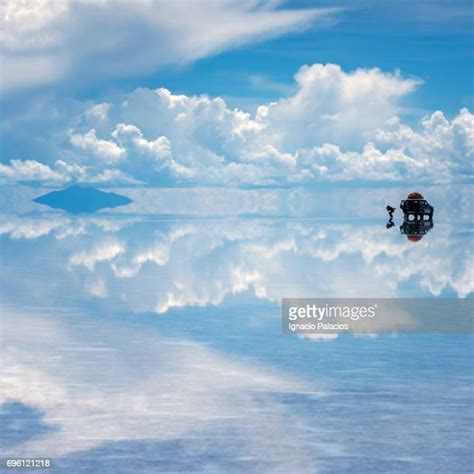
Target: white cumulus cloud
334,106
29,170
338,126
102,149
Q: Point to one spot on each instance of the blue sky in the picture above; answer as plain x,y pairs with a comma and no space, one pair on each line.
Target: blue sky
431,40
257,92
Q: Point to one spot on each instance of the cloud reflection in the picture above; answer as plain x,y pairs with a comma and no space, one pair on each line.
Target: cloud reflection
96,382
101,381
152,265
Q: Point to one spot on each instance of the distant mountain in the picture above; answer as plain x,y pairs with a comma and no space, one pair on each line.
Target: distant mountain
77,199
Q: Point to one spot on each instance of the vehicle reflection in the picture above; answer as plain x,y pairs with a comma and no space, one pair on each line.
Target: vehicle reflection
416,229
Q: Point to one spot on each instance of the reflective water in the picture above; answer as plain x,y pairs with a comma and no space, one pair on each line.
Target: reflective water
148,338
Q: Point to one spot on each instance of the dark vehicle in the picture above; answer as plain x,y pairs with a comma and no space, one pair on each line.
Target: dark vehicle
415,208
415,230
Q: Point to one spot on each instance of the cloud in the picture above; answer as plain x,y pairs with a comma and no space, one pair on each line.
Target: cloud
60,173
338,126
440,143
262,259
181,389
155,266
30,170
53,41
18,228
103,251
105,150
333,106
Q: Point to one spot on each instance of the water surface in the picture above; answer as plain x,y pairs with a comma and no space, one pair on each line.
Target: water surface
148,338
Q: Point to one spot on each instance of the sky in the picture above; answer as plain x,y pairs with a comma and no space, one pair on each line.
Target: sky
431,42
251,108
246,93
